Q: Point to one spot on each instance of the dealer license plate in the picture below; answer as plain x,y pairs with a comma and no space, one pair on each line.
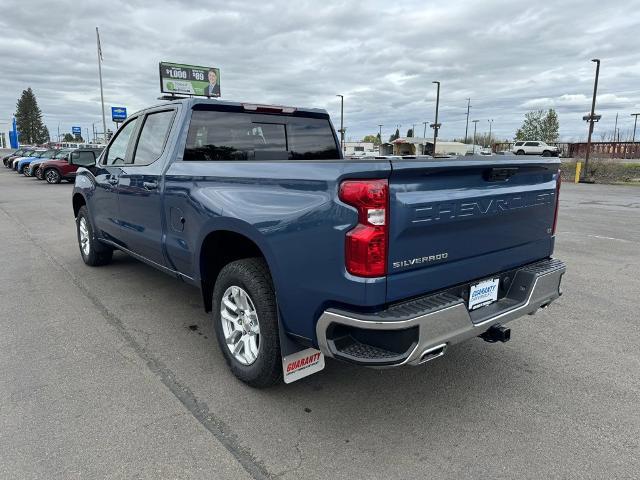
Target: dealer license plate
483,293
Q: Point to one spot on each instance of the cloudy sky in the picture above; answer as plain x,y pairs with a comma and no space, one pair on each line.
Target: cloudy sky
508,56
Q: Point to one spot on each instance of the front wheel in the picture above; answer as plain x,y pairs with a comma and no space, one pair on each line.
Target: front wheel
93,252
52,176
546,153
246,322
40,174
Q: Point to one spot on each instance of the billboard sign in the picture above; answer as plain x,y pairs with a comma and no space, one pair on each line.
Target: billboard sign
76,130
118,114
182,79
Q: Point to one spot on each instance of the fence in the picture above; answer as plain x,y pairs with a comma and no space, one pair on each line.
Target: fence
625,150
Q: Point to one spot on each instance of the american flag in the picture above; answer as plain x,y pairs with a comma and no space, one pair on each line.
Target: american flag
99,47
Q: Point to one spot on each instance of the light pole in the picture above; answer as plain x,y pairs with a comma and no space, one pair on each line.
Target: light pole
413,130
466,129
341,122
475,125
435,124
380,125
490,124
633,138
591,117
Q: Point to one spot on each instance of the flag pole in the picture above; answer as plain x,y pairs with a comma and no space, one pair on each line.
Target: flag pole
104,121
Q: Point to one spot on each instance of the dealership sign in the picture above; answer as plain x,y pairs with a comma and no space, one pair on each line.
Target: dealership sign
76,130
180,79
118,114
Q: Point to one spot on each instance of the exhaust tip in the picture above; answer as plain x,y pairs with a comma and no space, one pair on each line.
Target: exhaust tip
432,353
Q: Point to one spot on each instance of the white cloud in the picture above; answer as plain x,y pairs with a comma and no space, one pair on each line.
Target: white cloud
507,56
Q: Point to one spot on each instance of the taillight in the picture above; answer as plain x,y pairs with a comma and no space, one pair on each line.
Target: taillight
555,214
366,243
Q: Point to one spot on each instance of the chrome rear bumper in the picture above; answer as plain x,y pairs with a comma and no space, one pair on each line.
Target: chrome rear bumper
429,324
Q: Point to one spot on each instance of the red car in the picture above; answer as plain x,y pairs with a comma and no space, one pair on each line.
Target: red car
56,170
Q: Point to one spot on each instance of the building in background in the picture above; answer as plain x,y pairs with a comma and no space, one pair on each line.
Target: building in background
358,148
5,127
420,146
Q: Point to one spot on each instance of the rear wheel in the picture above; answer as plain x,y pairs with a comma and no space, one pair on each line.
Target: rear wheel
52,176
520,152
546,153
93,252
246,322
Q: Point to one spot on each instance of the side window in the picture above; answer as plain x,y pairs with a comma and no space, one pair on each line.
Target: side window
117,152
153,137
531,144
519,144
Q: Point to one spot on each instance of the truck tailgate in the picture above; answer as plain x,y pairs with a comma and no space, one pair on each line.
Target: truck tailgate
459,220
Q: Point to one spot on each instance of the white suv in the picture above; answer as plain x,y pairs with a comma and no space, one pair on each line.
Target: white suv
535,148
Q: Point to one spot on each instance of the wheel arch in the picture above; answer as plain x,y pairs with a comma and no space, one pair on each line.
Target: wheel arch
78,202
222,246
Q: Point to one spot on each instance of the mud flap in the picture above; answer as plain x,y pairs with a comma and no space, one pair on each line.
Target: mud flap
297,361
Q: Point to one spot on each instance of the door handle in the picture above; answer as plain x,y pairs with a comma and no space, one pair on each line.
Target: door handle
150,185
112,181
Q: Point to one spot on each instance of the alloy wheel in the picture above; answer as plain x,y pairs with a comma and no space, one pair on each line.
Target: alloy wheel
240,325
84,236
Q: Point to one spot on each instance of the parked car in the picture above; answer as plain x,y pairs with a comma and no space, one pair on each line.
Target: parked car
535,148
20,152
301,254
64,168
13,164
23,163
34,167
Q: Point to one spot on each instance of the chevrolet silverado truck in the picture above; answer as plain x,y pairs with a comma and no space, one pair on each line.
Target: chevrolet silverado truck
302,255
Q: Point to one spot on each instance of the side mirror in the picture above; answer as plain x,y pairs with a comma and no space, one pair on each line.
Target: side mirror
83,159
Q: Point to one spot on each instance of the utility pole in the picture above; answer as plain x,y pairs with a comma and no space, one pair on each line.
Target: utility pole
490,124
341,122
104,121
413,130
380,125
475,124
436,125
591,118
633,138
466,129
616,136
424,138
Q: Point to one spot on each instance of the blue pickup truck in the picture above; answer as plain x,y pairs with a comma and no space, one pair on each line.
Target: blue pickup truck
301,254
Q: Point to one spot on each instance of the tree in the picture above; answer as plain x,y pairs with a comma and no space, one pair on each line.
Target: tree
375,139
540,126
410,132
394,136
45,134
29,119
550,128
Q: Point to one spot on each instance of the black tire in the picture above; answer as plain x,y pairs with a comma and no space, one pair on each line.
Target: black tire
252,275
520,152
546,153
97,253
52,176
39,174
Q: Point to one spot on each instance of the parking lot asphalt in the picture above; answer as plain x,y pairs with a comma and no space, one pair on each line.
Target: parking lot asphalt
113,372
